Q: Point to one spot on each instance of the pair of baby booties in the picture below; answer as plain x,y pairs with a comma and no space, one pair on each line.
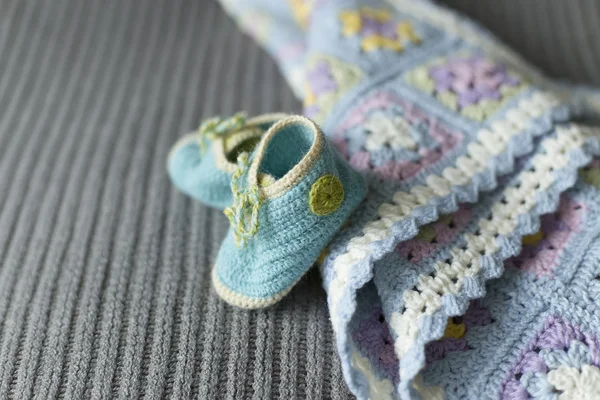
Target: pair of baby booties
285,191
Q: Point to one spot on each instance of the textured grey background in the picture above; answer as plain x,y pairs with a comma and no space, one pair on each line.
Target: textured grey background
560,36
104,268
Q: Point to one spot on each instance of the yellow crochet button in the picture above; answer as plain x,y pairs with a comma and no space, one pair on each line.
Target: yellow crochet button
326,195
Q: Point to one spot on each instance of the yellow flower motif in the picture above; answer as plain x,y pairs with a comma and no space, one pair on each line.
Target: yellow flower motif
533,239
351,22
454,331
326,195
591,176
388,34
301,10
375,42
426,233
405,30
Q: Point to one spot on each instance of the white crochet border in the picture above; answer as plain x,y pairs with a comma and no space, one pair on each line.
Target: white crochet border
491,142
425,298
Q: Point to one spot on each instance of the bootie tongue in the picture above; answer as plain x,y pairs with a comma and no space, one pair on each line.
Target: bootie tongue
291,195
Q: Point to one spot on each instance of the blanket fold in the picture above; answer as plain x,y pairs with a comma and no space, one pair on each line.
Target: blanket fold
472,158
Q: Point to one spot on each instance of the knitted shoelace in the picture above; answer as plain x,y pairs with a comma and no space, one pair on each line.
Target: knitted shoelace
243,213
215,127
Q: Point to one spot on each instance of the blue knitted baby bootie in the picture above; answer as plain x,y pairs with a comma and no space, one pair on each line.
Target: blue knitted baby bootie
201,163
291,195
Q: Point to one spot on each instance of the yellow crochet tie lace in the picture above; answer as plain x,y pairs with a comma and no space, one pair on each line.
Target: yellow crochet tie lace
243,213
216,127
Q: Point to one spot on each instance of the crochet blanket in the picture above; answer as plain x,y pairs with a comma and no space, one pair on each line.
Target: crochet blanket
471,269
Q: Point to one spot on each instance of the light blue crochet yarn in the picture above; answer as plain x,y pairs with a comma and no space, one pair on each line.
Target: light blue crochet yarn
203,170
197,175
290,236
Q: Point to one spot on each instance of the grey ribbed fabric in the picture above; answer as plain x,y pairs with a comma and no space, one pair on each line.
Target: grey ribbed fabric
559,36
104,268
